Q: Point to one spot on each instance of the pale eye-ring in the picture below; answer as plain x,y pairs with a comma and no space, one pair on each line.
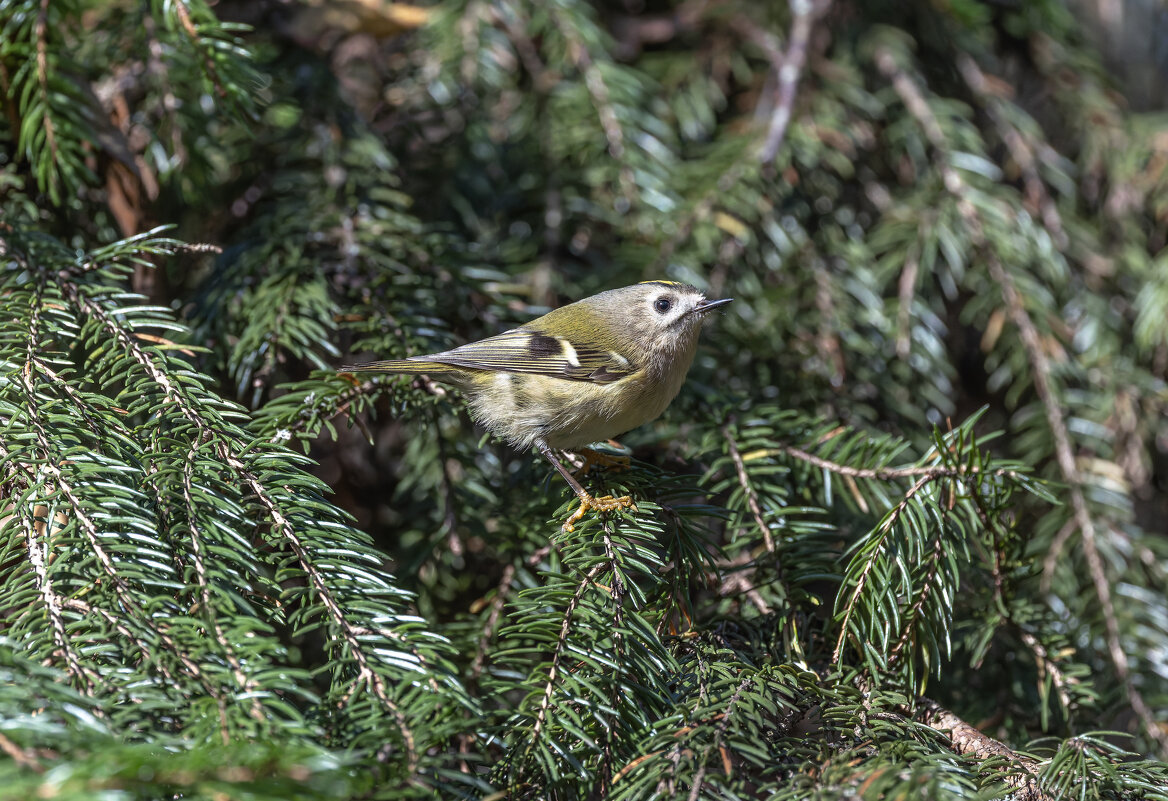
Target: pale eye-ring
663,305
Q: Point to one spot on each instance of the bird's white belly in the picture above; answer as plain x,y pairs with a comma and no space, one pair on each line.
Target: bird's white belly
607,411
569,414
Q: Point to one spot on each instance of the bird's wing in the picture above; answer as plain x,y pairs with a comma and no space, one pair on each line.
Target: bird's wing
523,350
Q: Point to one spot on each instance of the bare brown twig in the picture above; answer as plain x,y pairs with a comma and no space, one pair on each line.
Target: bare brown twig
889,473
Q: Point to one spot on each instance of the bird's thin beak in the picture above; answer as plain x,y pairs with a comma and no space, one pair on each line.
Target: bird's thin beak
710,305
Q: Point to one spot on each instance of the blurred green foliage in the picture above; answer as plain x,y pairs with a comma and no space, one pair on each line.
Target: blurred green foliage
901,535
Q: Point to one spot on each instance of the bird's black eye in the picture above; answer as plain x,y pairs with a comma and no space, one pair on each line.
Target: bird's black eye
663,304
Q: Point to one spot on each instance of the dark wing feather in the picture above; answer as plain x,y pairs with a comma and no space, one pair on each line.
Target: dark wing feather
523,350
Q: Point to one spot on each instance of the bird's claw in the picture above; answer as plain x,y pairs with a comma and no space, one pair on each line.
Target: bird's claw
605,503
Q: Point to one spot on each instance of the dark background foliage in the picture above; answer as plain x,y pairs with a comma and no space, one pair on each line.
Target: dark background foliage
901,535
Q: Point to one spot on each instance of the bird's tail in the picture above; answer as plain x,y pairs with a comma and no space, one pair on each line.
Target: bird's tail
410,366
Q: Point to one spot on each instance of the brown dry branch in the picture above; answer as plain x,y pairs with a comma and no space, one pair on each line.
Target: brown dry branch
24,758
890,473
968,741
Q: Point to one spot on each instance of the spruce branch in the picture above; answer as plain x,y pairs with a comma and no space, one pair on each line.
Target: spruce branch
699,211
610,120
861,581
36,547
246,685
406,189
182,479
50,468
36,533
719,733
987,90
188,27
617,594
559,650
936,555
146,650
916,104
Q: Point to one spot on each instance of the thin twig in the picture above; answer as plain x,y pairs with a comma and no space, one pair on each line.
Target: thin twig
1054,554
1048,667
192,32
906,291
719,733
616,686
42,48
748,491
581,58
488,630
26,759
890,473
561,643
738,579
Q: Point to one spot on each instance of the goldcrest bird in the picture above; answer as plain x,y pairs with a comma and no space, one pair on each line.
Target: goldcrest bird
580,374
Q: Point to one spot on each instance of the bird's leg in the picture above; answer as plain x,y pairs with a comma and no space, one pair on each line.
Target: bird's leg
593,458
605,503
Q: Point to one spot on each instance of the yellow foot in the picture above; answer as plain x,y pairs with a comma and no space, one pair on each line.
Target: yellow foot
606,503
598,459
